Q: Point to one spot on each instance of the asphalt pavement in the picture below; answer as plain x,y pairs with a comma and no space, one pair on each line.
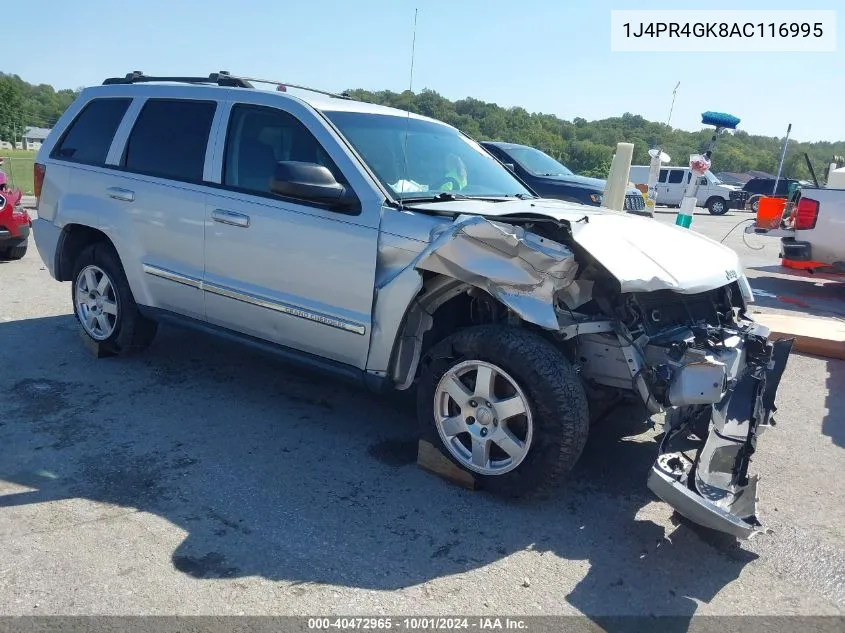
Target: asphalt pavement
201,477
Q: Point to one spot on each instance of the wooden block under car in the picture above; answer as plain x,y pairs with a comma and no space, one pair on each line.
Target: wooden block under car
97,350
431,459
813,335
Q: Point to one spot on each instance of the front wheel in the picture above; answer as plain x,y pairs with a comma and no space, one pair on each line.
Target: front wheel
717,206
506,405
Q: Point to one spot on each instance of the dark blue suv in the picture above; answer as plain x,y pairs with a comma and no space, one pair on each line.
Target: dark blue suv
549,179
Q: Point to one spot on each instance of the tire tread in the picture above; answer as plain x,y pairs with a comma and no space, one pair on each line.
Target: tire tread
557,397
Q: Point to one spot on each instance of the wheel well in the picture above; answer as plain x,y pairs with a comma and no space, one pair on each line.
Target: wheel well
74,238
443,306
712,198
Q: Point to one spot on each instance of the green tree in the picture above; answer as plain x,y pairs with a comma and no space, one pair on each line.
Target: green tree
12,114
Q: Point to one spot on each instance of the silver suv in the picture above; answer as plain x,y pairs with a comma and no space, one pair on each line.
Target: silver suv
391,249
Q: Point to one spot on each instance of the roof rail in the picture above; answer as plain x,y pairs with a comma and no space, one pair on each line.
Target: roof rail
222,78
283,86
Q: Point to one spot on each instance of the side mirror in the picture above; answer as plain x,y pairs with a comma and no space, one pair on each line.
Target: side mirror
310,182
510,166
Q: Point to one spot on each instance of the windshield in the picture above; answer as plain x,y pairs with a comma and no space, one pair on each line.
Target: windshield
420,159
538,163
712,177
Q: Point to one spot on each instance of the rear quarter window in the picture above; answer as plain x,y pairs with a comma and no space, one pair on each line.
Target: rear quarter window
89,136
169,139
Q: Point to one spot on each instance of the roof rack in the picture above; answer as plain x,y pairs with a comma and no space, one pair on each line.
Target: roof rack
222,78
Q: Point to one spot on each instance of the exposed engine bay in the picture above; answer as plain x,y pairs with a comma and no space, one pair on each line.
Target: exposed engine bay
695,355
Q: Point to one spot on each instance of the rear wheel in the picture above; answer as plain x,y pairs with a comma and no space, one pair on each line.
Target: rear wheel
14,252
104,305
505,405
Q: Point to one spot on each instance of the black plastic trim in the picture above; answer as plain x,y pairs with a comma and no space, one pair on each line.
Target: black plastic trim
291,356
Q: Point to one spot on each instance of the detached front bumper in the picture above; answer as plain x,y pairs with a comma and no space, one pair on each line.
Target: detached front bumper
704,457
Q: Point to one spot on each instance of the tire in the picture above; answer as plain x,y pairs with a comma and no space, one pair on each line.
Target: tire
552,391
717,206
130,332
754,203
14,252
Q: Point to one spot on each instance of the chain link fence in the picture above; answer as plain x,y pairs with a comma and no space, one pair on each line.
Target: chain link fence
18,166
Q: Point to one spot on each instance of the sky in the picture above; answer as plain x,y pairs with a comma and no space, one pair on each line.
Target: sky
551,56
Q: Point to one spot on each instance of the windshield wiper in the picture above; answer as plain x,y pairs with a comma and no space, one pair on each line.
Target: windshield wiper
443,196
448,196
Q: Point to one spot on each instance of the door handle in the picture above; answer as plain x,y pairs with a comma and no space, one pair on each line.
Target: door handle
121,194
231,218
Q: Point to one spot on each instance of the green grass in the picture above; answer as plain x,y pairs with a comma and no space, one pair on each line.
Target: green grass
17,164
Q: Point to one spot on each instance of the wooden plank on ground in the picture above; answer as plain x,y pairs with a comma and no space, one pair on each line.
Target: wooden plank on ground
431,459
813,335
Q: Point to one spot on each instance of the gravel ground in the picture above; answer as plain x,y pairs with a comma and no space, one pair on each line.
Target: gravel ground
203,478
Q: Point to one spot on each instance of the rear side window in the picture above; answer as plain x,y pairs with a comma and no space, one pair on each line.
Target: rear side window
676,176
663,174
89,137
169,139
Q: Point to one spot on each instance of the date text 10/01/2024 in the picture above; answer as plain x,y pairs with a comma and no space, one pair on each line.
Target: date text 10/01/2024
723,29
417,623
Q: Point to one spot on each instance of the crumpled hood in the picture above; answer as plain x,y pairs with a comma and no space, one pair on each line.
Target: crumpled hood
643,254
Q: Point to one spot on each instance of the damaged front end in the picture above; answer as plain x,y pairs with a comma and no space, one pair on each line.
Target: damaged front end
702,468
684,345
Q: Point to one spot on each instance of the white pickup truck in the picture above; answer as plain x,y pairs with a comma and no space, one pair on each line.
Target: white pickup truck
814,231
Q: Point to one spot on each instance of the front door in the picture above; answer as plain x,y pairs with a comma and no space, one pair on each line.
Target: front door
296,274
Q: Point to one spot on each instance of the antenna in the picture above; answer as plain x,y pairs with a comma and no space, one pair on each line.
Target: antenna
672,107
408,112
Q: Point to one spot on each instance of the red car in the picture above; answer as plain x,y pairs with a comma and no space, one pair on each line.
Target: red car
14,226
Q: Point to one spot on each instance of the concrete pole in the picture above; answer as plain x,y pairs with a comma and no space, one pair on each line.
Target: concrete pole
617,181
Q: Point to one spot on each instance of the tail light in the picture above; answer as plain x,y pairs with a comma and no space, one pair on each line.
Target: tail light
39,170
806,214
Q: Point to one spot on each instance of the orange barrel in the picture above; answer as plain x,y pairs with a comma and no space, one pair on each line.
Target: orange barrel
770,212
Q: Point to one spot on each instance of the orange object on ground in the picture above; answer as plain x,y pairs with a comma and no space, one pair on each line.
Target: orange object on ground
799,265
770,212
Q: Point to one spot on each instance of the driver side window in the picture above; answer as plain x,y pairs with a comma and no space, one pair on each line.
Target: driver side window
258,137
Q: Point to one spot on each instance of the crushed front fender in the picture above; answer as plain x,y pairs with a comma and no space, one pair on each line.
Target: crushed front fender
702,469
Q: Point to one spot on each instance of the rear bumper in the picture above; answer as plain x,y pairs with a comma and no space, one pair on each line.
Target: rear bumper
704,457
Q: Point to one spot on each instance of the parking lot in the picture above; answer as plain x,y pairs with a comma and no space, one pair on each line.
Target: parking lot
202,477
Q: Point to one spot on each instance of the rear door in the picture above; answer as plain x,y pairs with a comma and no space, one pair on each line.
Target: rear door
290,272
161,192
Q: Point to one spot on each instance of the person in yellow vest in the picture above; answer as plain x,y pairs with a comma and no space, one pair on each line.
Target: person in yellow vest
455,178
